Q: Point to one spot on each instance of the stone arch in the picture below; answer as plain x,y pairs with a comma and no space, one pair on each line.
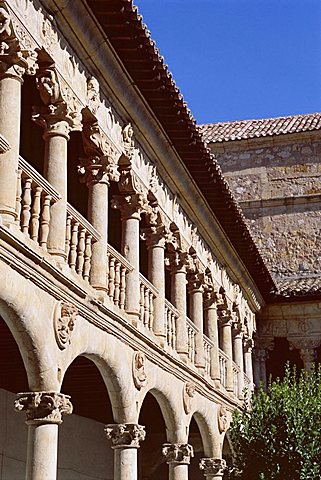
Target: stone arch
168,409
227,449
207,433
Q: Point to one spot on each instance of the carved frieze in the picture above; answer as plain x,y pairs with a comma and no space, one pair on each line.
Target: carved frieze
212,466
125,435
222,419
188,394
178,453
139,373
101,162
65,315
43,407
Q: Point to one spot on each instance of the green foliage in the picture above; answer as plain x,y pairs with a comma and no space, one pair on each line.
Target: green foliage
279,435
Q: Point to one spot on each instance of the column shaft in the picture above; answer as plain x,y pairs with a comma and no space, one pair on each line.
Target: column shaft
10,100
98,217
249,365
156,271
56,174
196,304
130,250
178,471
125,464
212,327
227,349
238,353
178,280
42,452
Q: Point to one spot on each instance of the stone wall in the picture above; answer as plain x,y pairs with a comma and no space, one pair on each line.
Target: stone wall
278,185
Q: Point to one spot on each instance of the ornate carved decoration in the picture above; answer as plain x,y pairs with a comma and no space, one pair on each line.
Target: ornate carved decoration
139,373
304,343
64,321
128,141
188,393
176,261
157,233
248,345
125,435
153,180
196,282
43,407
49,33
178,453
93,99
129,183
101,163
15,58
212,466
62,110
222,420
130,205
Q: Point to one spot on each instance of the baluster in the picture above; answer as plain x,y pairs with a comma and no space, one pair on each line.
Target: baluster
88,251
18,195
141,302
107,271
151,310
35,214
68,235
193,346
170,327
146,307
45,221
117,283
173,330
26,203
111,287
122,293
81,251
73,246
166,322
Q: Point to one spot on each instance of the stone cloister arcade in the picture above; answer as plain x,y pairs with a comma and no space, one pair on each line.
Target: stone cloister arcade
122,298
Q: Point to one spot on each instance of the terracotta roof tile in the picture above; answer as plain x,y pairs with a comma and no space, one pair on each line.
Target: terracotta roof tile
294,288
245,129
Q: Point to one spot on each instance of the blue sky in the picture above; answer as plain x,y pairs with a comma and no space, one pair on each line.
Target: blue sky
240,59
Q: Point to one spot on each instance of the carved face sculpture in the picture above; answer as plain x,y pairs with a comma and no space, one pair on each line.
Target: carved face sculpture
188,394
222,419
139,374
64,322
92,88
5,30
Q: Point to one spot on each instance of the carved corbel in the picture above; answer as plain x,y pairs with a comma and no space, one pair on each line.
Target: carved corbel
15,58
61,110
101,162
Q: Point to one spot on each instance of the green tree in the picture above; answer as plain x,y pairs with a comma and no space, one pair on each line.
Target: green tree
279,435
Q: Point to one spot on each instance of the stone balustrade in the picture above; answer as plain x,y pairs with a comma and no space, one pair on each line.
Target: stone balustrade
34,198
192,331
208,344
223,359
171,317
117,270
236,373
148,293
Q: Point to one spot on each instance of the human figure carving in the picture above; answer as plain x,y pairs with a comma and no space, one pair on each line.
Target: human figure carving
188,394
139,373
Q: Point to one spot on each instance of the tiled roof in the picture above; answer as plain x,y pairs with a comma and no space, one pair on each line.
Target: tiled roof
130,38
264,127
295,288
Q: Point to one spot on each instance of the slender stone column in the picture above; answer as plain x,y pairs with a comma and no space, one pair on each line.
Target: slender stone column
178,456
213,468
58,117
195,288
226,326
308,356
176,263
248,347
97,170
44,413
155,241
260,357
211,319
238,355
13,65
307,347
125,439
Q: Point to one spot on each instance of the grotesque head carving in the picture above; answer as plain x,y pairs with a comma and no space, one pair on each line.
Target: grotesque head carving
139,374
188,394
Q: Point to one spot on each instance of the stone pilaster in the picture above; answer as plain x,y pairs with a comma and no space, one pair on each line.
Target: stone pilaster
176,262
125,440
178,456
14,63
213,468
97,170
195,290
59,116
44,412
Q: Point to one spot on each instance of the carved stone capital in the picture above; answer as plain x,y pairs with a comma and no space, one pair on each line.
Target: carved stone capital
224,317
212,466
62,111
125,435
43,407
195,282
130,183
15,58
101,162
157,233
130,206
188,393
64,321
139,373
304,343
248,345
178,453
176,261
